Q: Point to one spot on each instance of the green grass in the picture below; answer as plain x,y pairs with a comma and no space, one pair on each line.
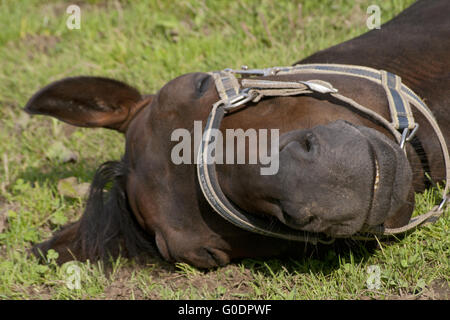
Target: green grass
147,43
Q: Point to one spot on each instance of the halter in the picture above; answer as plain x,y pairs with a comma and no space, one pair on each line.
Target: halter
234,94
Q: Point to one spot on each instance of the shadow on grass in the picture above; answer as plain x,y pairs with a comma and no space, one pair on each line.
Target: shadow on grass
52,172
317,259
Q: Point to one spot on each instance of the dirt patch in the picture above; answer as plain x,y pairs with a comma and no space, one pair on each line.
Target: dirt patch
126,284
3,220
230,283
438,290
33,44
4,212
357,16
122,288
43,292
41,43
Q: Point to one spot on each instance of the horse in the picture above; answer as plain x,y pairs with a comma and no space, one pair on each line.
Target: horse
340,172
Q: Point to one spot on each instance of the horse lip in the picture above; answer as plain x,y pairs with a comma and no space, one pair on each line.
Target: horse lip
378,183
386,174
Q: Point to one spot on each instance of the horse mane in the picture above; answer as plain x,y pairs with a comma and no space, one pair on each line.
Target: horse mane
108,227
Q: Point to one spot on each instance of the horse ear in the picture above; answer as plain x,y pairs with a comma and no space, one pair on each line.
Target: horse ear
89,102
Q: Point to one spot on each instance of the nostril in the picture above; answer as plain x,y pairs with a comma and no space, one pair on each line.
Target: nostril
302,144
219,257
299,221
308,142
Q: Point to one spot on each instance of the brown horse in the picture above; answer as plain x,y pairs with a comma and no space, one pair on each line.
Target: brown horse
325,182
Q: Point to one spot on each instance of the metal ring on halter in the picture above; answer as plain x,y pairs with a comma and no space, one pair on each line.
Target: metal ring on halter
239,100
406,136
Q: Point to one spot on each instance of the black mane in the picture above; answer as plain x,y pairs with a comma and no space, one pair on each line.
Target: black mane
108,227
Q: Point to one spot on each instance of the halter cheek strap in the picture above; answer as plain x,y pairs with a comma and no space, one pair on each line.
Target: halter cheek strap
234,95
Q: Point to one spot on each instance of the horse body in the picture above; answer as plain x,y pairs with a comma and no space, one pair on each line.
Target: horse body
412,46
327,166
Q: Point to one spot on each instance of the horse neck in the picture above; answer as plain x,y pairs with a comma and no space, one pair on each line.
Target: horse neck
413,45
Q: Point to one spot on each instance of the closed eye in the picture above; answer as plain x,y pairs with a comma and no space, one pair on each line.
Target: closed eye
202,84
